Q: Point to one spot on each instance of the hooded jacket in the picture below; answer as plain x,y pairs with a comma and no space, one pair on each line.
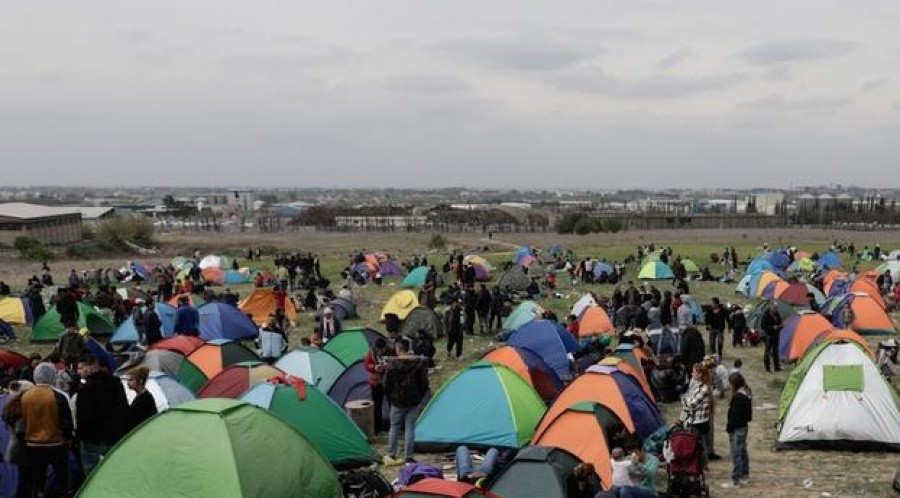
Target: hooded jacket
406,381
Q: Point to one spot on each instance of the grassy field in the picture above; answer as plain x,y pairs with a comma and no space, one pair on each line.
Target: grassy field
772,473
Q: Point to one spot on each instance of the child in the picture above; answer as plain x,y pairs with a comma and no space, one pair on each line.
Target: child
620,466
740,413
737,367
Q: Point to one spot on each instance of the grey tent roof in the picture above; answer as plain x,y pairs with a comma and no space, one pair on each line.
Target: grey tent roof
514,278
157,360
423,317
536,471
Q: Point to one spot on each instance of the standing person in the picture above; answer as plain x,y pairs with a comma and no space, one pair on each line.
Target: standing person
152,324
696,405
771,325
740,414
143,406
453,324
16,452
329,325
187,318
684,315
101,410
405,385
470,299
483,308
497,301
67,306
716,322
375,363
48,431
70,345
738,327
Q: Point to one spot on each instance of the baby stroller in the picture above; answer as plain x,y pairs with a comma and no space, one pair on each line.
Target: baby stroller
684,452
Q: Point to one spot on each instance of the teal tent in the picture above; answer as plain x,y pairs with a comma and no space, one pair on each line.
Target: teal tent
415,278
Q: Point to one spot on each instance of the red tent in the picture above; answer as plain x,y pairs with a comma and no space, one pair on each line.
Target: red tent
441,487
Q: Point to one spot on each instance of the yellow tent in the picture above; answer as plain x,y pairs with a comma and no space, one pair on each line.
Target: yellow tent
400,304
475,259
12,310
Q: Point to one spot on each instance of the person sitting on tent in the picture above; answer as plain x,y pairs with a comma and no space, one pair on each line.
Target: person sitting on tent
187,318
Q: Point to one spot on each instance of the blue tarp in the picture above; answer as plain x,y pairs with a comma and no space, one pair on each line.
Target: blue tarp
221,321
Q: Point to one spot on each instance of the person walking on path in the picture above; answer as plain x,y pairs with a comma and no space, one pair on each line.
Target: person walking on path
716,322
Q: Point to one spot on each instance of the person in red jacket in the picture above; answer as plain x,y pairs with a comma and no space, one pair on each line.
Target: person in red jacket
375,363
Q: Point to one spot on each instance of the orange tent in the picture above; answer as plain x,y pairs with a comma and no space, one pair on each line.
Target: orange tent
805,328
764,279
868,287
577,430
183,344
868,317
530,367
845,335
261,302
214,275
628,368
594,387
594,321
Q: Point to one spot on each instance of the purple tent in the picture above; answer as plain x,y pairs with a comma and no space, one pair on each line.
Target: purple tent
342,308
390,268
353,385
481,273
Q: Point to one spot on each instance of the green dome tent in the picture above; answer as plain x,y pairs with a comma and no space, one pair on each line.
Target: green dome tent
352,345
317,417
49,328
213,448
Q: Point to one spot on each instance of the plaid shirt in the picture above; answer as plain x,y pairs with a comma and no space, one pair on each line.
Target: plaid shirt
695,404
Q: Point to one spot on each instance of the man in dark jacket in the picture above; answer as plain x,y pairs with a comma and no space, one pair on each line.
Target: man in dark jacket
67,307
716,322
497,302
101,412
405,385
70,345
692,347
152,324
771,325
632,296
187,318
453,324
483,308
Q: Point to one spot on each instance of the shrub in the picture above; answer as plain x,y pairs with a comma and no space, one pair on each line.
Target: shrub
437,241
31,249
613,226
137,229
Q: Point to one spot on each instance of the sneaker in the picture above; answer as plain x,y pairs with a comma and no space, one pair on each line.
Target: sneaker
389,461
732,484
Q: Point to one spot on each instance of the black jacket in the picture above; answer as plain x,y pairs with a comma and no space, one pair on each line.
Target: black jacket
740,412
771,323
406,381
692,347
716,319
101,409
142,408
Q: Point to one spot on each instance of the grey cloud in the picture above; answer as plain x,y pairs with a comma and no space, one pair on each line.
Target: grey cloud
518,54
425,84
281,63
225,33
134,35
653,86
780,103
675,57
796,50
781,72
872,84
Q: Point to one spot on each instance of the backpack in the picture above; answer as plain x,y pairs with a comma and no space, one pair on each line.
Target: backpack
364,484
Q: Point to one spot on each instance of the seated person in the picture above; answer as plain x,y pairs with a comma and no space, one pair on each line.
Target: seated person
465,472
648,466
581,483
620,466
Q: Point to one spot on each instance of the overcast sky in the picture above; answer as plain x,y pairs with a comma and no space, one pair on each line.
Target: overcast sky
589,94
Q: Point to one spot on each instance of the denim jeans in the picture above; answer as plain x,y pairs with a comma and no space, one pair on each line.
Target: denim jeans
740,460
407,417
464,462
716,342
91,453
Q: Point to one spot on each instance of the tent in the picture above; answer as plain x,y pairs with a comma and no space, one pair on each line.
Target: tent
799,332
482,274
514,279
182,344
530,367
522,253
759,282
167,392
802,265
828,260
628,368
550,341
437,488
10,358
865,315
343,308
416,278
16,310
756,311
237,379
524,313
316,366
351,345
210,359
656,270
793,293
474,259
193,299
211,261
836,287
400,304
215,276
214,448
223,321
617,392
166,314
486,405
536,471
390,268
49,328
156,360
577,429
837,335
133,293
779,259
126,333
309,411
817,294
892,267
353,385
236,277
601,268
743,286
759,266
594,322
836,398
583,303
690,266
423,318
861,285
180,261
261,303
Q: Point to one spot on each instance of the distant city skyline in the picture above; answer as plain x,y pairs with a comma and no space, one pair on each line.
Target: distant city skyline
402,93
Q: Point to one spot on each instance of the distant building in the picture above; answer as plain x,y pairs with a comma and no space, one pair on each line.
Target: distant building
379,222
766,201
50,225
93,215
241,198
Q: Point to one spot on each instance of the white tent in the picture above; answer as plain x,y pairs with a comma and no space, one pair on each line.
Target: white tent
211,261
836,398
582,304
